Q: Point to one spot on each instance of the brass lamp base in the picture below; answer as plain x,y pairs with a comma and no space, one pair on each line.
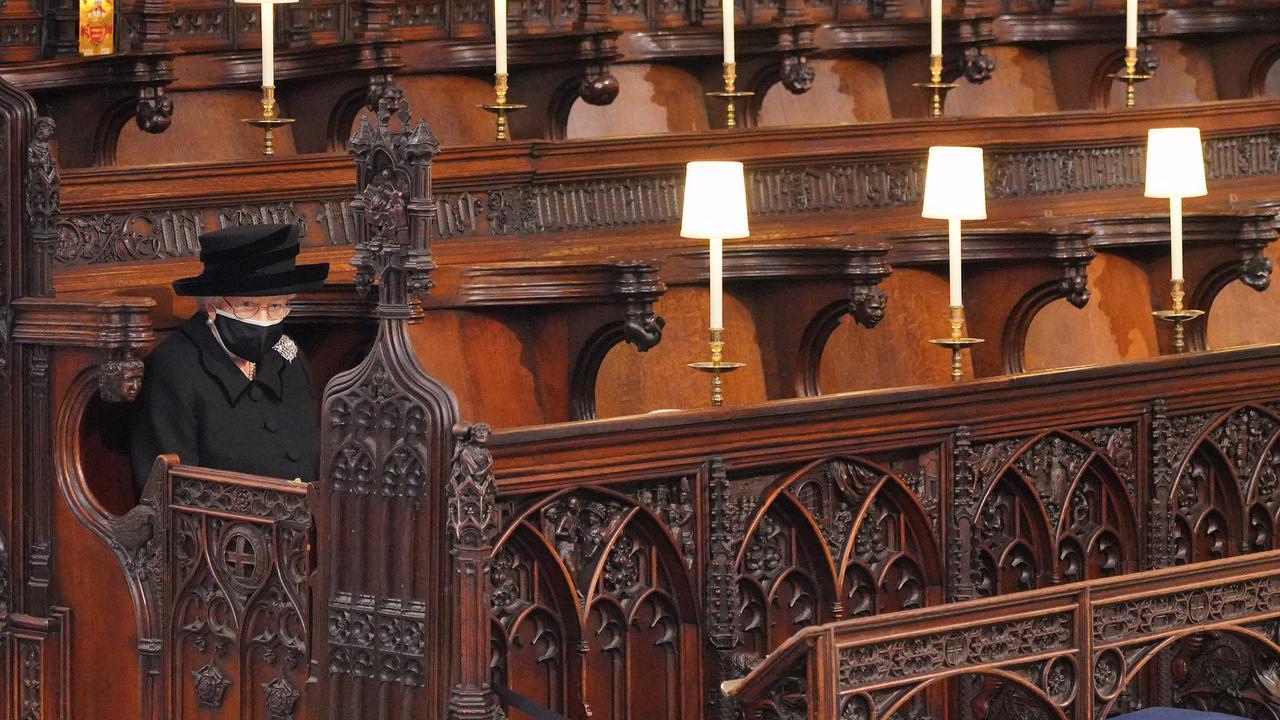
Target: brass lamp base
935,84
730,96
1178,315
956,343
1130,75
716,367
501,108
269,120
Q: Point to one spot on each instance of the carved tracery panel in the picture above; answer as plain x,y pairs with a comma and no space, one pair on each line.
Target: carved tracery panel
1060,508
595,585
238,557
837,538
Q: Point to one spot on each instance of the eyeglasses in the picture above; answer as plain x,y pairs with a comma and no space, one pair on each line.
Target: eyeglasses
247,309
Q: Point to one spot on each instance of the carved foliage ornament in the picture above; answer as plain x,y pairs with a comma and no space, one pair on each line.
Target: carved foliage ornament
596,205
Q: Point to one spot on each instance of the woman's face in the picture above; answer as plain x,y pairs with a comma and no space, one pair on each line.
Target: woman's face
261,308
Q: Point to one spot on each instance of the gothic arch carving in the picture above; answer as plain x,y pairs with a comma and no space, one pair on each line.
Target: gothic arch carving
1223,496
1228,681
1003,692
615,587
1051,508
848,536
1257,83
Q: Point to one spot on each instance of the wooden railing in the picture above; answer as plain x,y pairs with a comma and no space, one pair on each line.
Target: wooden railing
707,539
1072,650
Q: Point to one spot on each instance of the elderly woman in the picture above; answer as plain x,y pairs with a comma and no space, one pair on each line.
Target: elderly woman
230,390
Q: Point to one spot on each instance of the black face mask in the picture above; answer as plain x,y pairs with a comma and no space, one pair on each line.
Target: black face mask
247,340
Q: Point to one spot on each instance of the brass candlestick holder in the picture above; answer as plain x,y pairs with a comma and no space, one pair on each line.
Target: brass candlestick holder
716,367
269,121
1178,316
730,96
936,86
957,341
1130,75
502,107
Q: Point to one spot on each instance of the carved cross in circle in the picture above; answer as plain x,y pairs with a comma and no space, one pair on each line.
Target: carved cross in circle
240,559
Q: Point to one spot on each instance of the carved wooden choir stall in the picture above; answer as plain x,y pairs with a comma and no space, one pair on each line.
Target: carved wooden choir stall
525,504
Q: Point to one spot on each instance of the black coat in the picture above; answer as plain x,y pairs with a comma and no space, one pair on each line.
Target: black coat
197,404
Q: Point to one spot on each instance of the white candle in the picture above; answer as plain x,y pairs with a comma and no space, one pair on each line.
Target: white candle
1131,24
717,283
268,44
1175,238
935,27
500,34
727,13
953,258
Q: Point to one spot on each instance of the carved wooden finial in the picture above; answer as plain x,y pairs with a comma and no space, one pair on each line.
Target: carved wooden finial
393,207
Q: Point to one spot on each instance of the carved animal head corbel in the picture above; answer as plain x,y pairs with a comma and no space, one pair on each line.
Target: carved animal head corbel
1255,271
1148,61
120,378
641,327
977,66
154,111
1074,285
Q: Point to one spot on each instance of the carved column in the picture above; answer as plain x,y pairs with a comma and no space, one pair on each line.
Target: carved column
473,522
1160,513
33,630
386,447
722,587
963,492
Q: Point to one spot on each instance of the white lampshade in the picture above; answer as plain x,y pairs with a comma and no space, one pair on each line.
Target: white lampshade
265,2
1175,163
954,186
715,201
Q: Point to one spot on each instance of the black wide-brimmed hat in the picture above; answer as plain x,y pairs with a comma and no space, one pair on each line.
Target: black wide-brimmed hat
252,260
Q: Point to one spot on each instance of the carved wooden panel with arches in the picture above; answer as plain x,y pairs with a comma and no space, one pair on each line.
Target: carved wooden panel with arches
1060,506
591,592
1223,493
237,613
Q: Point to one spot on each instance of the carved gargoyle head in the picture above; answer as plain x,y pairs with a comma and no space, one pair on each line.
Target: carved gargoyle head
644,330
1256,272
867,304
120,379
796,75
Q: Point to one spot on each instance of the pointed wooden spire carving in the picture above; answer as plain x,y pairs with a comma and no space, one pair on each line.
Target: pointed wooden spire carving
384,628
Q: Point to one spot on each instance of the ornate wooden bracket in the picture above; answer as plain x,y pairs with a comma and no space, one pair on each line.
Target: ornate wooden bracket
631,284
1072,255
117,327
864,269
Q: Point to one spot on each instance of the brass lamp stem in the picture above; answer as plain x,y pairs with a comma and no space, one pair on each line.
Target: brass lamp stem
956,342
501,108
730,95
936,86
269,121
1130,75
717,366
1178,315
